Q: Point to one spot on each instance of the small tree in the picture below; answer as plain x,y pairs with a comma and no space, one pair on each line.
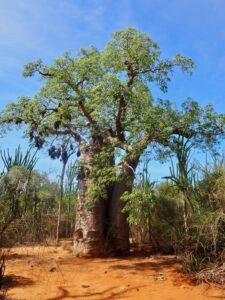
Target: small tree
70,194
62,152
12,183
140,205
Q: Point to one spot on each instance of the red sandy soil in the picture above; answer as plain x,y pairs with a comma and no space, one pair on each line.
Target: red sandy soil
48,272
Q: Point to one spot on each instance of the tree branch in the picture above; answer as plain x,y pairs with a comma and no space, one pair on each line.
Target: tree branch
45,74
119,126
67,132
86,113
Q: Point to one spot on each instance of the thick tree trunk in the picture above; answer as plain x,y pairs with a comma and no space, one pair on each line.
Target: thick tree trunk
119,228
89,224
118,218
103,230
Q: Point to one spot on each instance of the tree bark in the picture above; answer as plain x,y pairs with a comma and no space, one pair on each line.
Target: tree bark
119,228
102,230
89,223
118,218
89,226
186,241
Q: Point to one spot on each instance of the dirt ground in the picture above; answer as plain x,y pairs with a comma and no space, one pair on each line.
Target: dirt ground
48,272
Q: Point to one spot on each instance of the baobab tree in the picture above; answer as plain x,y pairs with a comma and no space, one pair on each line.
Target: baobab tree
102,100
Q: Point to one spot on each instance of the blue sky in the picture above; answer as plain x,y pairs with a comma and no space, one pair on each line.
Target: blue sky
31,29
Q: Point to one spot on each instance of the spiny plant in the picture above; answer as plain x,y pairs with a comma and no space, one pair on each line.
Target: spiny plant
27,160
182,176
17,170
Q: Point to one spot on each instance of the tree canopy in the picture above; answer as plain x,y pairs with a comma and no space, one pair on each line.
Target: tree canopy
102,99
107,94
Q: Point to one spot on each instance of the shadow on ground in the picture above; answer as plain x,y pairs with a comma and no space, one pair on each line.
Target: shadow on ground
11,281
157,265
114,293
11,256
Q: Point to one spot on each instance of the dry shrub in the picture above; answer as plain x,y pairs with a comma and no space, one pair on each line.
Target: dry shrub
213,274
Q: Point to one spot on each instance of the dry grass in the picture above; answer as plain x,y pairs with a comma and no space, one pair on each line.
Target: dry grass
213,274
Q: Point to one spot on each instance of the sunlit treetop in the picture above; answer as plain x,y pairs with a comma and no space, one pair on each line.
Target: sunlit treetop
104,97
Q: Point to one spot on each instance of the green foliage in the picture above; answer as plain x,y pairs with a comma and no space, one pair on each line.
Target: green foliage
141,201
103,97
210,221
103,173
140,206
167,222
155,214
183,175
28,160
12,185
134,51
26,196
28,201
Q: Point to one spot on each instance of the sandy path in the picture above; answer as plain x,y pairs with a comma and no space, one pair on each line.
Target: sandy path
39,273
